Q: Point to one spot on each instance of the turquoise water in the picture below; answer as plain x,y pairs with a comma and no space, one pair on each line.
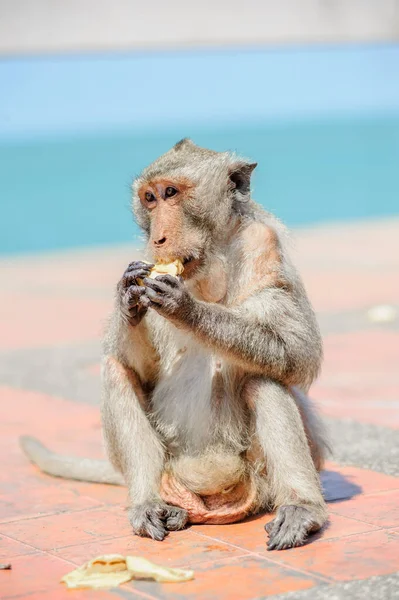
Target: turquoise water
75,191
321,121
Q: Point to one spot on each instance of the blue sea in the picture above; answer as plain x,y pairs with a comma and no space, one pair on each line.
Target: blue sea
323,125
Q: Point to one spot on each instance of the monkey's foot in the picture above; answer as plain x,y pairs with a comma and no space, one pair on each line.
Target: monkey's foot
290,527
156,519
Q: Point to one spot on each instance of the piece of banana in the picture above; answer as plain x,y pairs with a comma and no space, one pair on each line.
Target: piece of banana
174,268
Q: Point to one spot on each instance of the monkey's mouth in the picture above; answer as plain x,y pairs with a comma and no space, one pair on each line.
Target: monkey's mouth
187,261
190,264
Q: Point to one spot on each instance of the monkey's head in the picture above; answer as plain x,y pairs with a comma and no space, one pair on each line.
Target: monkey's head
188,201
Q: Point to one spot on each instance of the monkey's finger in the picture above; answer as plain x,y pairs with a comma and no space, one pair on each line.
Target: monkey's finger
168,279
133,294
157,285
269,526
145,301
139,264
133,275
154,297
273,527
281,539
155,527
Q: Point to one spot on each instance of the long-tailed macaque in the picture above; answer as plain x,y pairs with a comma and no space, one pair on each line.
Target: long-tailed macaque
205,375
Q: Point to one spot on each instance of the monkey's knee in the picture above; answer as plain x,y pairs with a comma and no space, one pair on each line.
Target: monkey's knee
258,389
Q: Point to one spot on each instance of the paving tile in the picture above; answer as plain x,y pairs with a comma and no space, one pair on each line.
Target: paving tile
351,481
25,492
107,494
21,500
380,509
250,535
59,592
359,379
372,353
50,319
179,548
347,244
356,556
38,577
34,573
66,529
58,420
243,578
336,289
10,548
64,426
79,271
341,404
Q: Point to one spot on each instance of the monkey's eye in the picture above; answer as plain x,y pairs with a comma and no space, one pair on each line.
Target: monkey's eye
149,197
170,191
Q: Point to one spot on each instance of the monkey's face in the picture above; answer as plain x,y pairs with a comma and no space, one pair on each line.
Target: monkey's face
173,229
188,202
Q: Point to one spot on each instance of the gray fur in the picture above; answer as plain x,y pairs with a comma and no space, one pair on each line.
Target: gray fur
193,379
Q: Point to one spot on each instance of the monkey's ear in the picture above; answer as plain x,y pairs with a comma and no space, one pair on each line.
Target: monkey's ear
184,142
240,177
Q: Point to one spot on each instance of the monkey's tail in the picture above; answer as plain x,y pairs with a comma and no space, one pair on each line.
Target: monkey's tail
69,467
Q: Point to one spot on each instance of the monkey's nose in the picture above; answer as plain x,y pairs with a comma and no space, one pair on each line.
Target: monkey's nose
160,242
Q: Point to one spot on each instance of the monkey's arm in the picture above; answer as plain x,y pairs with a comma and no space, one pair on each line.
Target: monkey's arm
273,333
129,334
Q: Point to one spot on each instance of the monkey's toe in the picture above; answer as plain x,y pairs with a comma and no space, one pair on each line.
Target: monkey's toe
176,518
147,520
290,528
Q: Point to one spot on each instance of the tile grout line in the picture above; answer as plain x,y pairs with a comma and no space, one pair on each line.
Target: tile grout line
20,542
52,514
258,555
361,521
37,550
49,550
313,574
105,539
321,577
217,561
377,528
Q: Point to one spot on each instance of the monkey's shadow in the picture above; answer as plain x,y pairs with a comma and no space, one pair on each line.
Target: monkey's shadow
338,487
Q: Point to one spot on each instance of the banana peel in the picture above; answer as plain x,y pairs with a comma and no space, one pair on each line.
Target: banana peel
111,570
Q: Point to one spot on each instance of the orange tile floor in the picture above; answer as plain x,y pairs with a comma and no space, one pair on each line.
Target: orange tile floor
51,313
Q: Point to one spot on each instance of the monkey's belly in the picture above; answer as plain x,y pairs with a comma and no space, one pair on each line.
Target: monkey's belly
184,401
221,508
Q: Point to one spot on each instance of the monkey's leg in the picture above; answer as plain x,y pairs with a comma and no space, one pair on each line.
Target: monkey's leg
293,481
314,428
135,449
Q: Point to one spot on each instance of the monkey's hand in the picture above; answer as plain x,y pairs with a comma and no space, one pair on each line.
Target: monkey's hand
132,297
156,519
169,296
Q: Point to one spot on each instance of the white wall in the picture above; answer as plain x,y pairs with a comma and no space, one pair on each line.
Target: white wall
90,25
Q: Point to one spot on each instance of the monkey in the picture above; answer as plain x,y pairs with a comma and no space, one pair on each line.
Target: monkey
205,376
